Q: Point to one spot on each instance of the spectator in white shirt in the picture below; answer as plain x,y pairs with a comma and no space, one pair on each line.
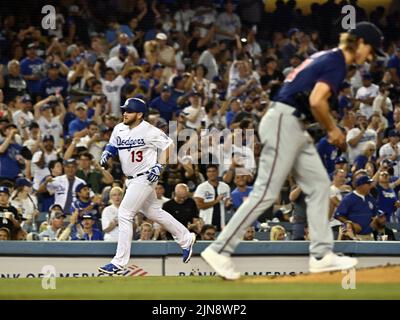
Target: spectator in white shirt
49,123
382,104
123,41
207,58
109,216
118,62
212,197
22,117
41,160
195,112
391,151
183,17
357,137
366,95
112,84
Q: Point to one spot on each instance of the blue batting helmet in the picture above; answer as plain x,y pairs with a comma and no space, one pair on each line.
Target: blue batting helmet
135,105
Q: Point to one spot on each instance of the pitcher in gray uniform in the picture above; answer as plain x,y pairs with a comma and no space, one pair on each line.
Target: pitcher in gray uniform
288,148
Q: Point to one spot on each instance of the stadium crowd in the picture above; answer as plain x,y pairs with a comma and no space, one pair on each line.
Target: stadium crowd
205,65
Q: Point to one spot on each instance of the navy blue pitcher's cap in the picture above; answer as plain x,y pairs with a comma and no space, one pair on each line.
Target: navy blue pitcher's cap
371,34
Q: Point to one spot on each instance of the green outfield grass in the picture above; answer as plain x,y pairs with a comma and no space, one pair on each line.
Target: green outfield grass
186,288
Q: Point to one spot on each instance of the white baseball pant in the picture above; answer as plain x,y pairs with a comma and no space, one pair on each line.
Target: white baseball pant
140,195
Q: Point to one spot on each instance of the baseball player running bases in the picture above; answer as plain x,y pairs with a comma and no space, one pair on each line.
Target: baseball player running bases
136,142
289,148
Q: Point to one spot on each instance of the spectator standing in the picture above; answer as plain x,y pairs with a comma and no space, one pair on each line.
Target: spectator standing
366,95
387,199
31,69
13,83
241,192
41,160
123,41
49,123
10,157
64,187
391,150
211,198
77,128
357,137
194,113
165,104
228,26
109,216
53,84
208,59
23,117
96,177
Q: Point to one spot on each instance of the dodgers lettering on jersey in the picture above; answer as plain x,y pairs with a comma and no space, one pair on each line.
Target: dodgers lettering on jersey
324,66
137,147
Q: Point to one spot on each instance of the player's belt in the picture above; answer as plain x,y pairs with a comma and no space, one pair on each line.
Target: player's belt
138,175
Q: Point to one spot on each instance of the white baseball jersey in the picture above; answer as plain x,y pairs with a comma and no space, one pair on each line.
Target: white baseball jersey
137,147
59,187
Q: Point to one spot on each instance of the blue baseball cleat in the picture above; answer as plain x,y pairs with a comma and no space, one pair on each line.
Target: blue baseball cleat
111,269
187,253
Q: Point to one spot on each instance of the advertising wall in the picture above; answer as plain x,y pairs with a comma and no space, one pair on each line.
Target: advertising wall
34,267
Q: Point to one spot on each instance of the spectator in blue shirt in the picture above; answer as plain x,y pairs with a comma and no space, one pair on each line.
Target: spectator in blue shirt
78,127
164,104
241,191
114,29
359,207
178,89
10,157
368,155
344,99
328,153
31,69
387,200
84,203
86,231
394,66
234,109
53,84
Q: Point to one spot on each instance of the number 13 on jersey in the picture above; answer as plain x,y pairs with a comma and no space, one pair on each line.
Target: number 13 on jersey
137,156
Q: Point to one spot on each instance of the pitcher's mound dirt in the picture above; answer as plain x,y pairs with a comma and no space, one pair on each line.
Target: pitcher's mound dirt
383,274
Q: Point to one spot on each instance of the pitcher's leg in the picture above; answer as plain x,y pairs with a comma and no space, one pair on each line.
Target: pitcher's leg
277,158
313,180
